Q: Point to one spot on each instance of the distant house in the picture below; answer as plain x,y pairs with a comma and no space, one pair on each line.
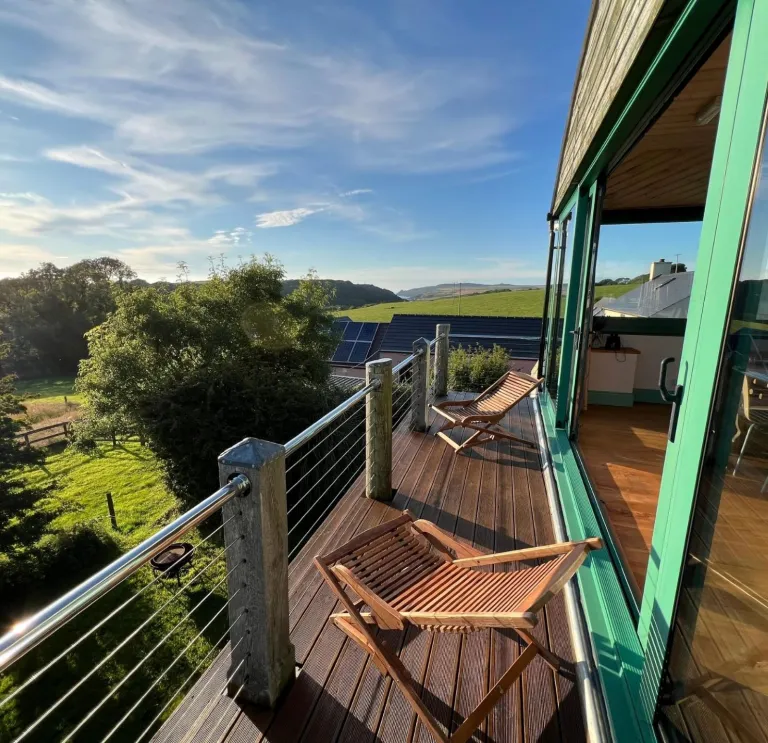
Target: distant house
362,342
663,296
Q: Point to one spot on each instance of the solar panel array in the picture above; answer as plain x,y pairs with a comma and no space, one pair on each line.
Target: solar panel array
356,340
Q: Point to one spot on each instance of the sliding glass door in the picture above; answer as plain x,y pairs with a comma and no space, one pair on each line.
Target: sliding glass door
555,311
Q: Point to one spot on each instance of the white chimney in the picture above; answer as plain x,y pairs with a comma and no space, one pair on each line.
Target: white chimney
660,268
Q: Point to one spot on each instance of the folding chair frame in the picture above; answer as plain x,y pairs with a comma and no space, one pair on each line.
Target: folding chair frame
486,427
356,624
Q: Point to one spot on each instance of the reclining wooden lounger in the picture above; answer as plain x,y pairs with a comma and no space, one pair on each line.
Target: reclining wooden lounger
409,571
484,412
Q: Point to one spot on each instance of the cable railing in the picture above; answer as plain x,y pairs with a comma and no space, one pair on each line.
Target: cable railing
91,665
113,657
322,462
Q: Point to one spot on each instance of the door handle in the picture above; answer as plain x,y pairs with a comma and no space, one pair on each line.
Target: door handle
675,397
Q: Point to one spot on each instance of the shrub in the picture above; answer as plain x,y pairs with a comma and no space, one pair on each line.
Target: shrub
197,370
474,369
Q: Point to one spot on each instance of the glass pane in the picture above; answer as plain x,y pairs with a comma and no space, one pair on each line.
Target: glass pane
558,290
718,668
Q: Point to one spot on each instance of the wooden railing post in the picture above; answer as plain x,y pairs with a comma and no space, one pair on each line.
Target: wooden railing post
442,333
256,538
420,382
378,431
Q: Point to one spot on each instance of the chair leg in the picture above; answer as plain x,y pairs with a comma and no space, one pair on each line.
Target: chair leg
743,447
475,718
498,431
547,655
389,664
349,628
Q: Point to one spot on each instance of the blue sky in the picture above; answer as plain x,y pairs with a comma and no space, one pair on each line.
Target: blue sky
400,143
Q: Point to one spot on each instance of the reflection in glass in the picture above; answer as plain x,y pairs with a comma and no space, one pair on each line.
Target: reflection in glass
558,290
717,688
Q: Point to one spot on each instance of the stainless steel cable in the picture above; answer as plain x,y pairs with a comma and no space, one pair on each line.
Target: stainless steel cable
178,657
214,647
321,459
303,497
113,652
325,512
133,670
169,732
327,436
231,701
102,622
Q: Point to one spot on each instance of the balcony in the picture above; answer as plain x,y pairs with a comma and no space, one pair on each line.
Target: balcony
493,497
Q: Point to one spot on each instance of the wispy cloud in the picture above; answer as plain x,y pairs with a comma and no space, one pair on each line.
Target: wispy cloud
286,218
184,76
357,192
231,238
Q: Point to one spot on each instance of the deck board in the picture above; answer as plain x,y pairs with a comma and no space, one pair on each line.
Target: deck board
492,497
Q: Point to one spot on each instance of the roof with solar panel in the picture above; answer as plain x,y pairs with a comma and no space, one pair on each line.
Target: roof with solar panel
357,341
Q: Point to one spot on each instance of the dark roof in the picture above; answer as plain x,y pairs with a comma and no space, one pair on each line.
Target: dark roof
360,341
405,329
664,296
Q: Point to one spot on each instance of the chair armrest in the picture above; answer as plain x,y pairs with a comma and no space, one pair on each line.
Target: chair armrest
548,589
529,553
444,541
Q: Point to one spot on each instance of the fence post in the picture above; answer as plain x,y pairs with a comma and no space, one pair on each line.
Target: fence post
442,332
111,509
256,538
378,431
420,382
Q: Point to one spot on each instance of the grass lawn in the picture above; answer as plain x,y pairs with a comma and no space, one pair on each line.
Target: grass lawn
49,400
49,389
165,630
129,471
524,303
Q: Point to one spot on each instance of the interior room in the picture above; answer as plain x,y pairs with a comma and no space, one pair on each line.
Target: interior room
622,424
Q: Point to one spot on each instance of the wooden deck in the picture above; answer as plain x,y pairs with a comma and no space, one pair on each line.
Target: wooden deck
493,497
623,449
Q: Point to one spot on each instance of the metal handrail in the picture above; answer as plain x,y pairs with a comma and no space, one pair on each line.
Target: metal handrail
497,337
329,418
31,632
407,360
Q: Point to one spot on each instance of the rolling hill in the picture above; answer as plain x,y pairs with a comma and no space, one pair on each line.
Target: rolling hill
349,294
443,291
523,303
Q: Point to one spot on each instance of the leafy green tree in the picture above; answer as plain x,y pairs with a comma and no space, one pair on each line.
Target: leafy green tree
21,524
45,313
198,369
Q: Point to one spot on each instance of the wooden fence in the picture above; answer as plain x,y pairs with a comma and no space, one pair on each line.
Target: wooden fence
64,429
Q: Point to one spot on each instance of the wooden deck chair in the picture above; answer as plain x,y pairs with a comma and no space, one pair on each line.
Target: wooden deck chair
409,571
486,410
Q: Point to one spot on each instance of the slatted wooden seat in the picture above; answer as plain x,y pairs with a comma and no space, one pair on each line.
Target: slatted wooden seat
409,571
483,413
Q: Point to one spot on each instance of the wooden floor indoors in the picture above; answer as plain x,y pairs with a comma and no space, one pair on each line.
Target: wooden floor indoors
623,449
493,497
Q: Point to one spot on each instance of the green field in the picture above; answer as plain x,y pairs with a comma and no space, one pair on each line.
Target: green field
190,620
49,389
49,400
523,303
129,471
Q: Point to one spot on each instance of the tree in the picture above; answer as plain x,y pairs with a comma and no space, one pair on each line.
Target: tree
200,368
45,313
679,268
20,523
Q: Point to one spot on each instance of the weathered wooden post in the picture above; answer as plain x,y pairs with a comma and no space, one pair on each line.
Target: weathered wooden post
442,333
111,509
256,536
378,431
419,384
